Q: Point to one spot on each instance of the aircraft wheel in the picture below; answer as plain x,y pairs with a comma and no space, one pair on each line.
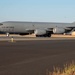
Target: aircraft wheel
7,34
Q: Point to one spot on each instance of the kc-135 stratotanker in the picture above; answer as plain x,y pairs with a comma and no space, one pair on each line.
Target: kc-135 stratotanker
40,29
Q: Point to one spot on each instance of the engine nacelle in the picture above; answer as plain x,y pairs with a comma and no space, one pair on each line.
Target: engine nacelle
40,32
58,30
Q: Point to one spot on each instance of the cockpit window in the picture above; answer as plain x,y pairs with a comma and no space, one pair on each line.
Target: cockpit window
1,24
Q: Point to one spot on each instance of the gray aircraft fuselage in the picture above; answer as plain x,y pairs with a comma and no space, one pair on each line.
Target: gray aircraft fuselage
24,27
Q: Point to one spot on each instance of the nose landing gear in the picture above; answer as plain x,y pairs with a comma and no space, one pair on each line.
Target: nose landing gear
7,34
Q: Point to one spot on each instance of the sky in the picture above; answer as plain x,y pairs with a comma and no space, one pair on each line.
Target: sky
37,10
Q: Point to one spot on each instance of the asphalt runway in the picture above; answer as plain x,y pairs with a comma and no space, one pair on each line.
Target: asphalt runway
35,57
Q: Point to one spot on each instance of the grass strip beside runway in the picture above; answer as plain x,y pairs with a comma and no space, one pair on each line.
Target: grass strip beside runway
69,69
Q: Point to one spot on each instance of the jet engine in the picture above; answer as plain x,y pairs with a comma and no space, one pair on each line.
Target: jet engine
42,33
39,32
58,30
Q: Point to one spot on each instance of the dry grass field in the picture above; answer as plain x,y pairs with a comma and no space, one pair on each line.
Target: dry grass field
69,69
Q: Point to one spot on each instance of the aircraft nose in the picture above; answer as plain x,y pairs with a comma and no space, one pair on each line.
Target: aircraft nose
1,24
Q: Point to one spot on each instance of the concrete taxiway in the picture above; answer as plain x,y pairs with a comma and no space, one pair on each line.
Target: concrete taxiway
16,39
35,57
32,37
